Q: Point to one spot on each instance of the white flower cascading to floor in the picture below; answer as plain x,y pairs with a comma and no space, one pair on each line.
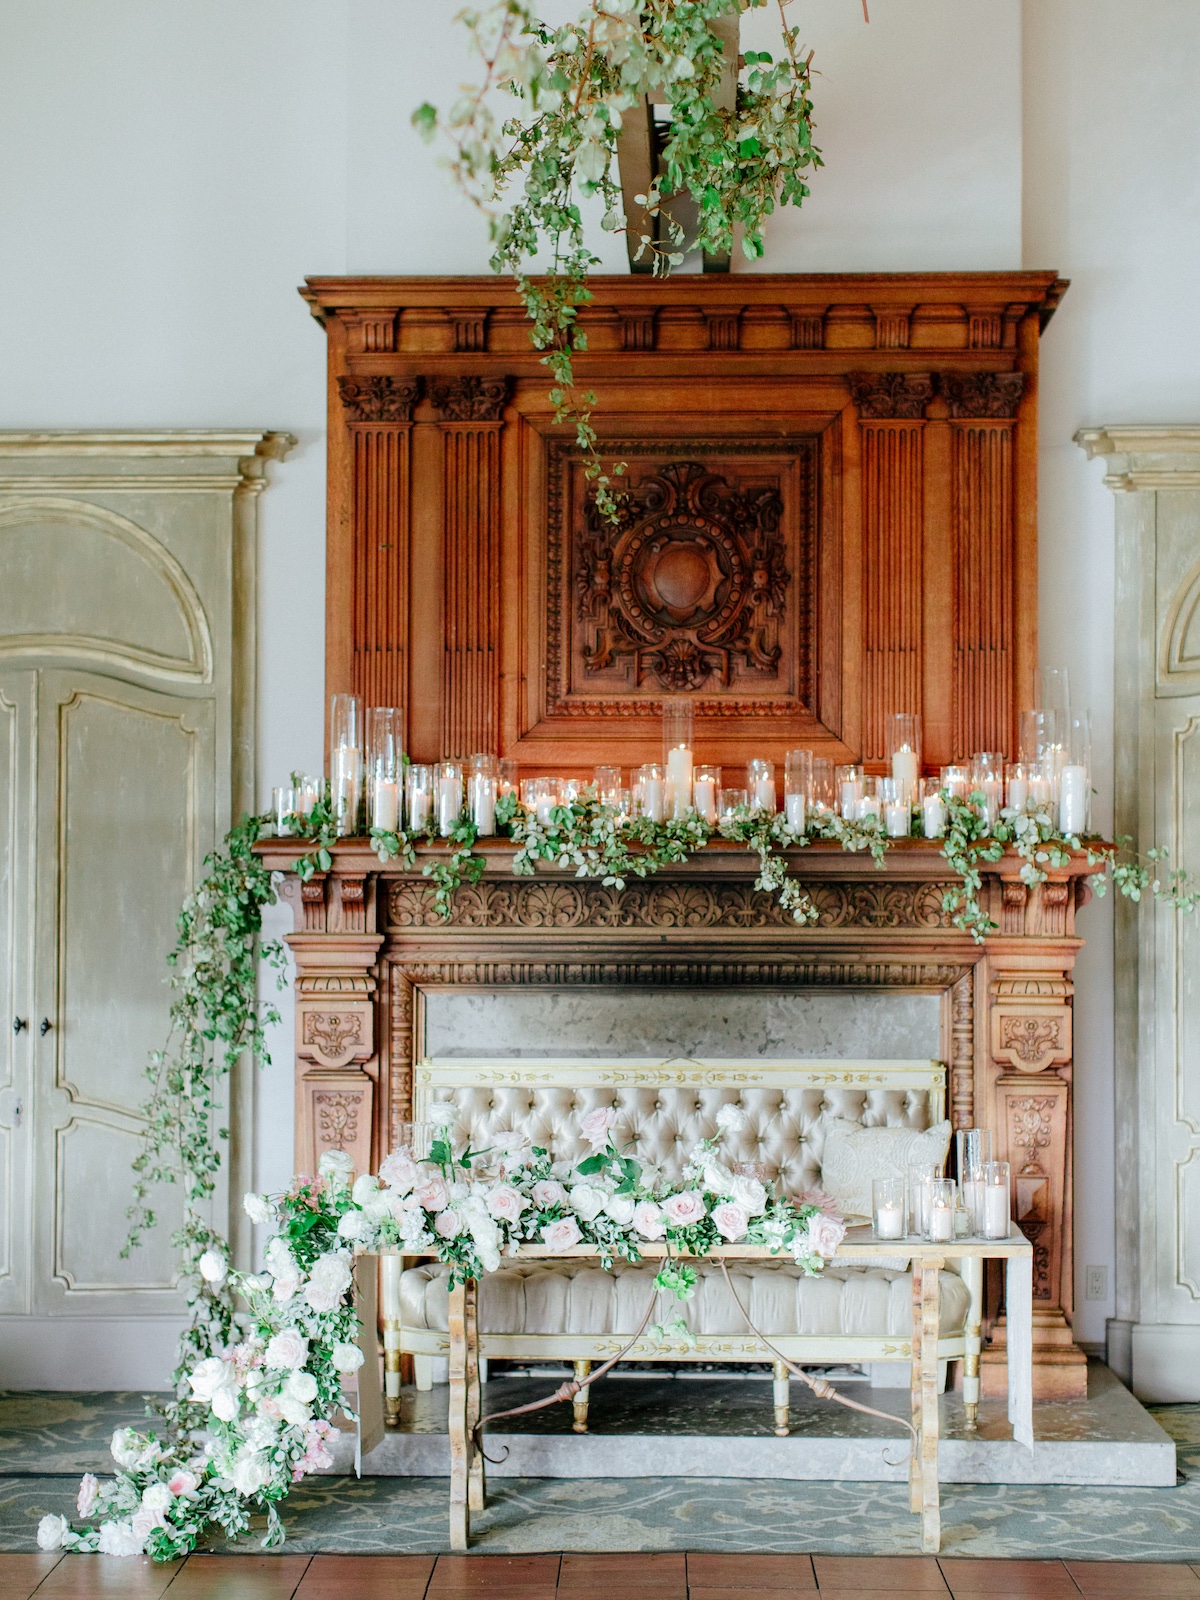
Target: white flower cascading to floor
252,1419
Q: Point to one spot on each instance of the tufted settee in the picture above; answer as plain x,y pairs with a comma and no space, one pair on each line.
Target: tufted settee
574,1310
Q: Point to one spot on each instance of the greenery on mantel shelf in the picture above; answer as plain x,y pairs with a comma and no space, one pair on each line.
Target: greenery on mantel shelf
538,134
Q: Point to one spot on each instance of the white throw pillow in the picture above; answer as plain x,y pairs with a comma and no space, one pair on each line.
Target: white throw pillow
854,1155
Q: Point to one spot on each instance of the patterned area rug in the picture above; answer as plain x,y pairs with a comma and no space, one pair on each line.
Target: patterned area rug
46,1440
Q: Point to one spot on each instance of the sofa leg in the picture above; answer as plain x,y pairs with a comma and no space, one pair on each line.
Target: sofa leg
580,1403
423,1373
782,1392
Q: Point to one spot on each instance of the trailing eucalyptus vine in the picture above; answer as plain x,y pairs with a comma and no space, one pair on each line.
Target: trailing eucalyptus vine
537,135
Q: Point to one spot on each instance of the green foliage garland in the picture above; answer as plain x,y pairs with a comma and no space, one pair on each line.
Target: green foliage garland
544,121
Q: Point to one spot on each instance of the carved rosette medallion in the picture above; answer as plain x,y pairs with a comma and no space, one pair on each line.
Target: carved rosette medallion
692,578
379,399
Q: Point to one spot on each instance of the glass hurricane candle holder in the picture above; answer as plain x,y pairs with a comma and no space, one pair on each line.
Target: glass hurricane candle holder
1041,787
943,1201
904,744
506,776
285,803
956,782
677,755
973,1152
540,796
987,780
933,809
897,811
383,767
871,805
995,1193
569,790
481,792
1074,780
797,787
650,791
706,785
921,1175
607,783
888,1197
418,798
1016,786
448,795
760,785
824,793
850,790
731,801
308,792
346,760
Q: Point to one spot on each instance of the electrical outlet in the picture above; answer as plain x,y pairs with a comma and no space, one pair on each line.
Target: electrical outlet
1096,1284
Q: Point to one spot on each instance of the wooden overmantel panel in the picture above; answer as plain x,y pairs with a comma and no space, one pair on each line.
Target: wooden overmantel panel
831,514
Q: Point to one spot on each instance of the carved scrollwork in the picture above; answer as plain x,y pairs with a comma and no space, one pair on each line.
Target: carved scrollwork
1031,1127
691,578
982,394
469,399
379,399
1030,1039
891,394
336,1115
333,1033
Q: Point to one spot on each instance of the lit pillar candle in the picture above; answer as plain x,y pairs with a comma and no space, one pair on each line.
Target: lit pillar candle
933,816
1018,793
449,796
995,1211
869,806
760,776
678,798
385,805
851,794
897,821
483,802
704,795
347,780
794,810
904,769
1072,800
941,1222
889,1222
653,799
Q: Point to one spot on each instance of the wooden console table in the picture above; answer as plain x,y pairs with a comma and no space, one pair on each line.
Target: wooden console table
467,1475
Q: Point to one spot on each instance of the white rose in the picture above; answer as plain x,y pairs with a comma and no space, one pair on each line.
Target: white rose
126,1446
213,1267
561,1235
685,1208
547,1193
51,1532
258,1208
731,1118
328,1282
294,1411
279,1258
346,1357
251,1472
301,1386
649,1221
143,1523
731,1220
285,1286
587,1202
225,1405
89,1493
718,1179
486,1236
399,1171
258,1281
157,1497
442,1114
354,1226
363,1189
505,1203
597,1125
119,1539
261,1432
620,1207
205,1378
750,1193
337,1168
825,1234
288,1349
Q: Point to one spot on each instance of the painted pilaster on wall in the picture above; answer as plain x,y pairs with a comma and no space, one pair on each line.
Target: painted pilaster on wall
1154,473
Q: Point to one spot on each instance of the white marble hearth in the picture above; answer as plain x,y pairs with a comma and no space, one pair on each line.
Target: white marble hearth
654,1427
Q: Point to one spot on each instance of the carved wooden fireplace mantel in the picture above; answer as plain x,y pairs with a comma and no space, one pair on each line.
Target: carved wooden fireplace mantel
369,945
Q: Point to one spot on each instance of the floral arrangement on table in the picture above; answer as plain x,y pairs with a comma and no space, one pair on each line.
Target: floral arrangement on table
254,1415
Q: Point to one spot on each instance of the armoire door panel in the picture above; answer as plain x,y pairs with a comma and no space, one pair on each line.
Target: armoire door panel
18,702
126,809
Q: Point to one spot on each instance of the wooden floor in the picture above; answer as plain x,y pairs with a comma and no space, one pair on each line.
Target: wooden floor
589,1577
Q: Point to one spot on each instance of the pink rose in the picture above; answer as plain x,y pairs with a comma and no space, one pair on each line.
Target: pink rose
547,1193
182,1482
648,1220
89,1488
731,1220
432,1192
825,1234
505,1204
685,1208
595,1126
561,1235
448,1224
400,1172
822,1201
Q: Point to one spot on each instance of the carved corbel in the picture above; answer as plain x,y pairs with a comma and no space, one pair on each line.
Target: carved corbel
1031,1022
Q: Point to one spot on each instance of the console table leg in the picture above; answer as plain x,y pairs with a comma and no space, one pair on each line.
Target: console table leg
781,1389
914,1458
460,1438
390,1267
476,1483
931,1516
579,1406
972,1274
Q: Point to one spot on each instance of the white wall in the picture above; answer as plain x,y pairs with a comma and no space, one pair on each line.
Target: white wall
169,173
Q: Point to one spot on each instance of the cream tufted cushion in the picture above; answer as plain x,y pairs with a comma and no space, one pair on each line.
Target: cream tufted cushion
786,1127
855,1155
579,1297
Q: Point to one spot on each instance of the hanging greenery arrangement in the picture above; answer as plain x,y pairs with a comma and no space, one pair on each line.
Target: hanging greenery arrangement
535,140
